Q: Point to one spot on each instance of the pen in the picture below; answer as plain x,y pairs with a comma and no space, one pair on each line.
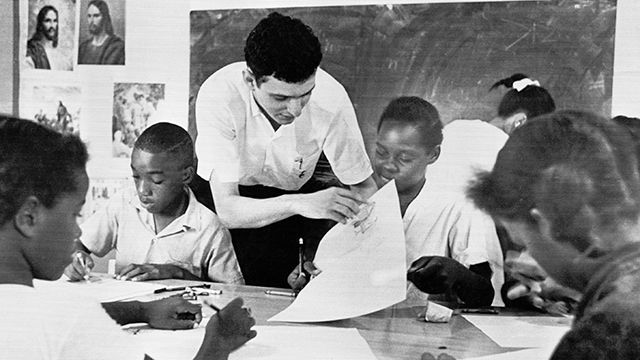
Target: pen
480,311
280,293
300,256
178,288
87,271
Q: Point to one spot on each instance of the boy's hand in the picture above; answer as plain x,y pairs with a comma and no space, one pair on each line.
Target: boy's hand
81,265
435,274
226,331
142,272
299,280
172,312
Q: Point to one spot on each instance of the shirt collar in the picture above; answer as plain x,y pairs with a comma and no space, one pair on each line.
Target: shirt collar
188,220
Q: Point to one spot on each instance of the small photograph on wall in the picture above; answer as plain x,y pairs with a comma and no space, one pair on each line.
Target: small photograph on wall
135,106
50,34
57,107
102,32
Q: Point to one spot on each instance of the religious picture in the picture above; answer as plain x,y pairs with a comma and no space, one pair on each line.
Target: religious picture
102,32
56,107
50,34
135,106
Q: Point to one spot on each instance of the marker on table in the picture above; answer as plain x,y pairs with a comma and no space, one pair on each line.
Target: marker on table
83,263
300,257
178,288
280,293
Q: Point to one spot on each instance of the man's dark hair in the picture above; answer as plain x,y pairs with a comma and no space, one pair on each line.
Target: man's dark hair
104,11
36,161
39,34
419,113
282,47
170,138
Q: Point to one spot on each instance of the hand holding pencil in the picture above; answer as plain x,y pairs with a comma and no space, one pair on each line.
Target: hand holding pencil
80,267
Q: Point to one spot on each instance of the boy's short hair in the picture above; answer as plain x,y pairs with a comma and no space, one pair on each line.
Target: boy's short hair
36,161
417,112
170,138
282,47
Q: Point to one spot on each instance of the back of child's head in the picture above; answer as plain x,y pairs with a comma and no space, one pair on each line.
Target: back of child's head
577,168
524,95
167,138
282,47
417,112
36,161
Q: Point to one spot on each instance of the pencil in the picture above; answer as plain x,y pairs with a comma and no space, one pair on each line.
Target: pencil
300,256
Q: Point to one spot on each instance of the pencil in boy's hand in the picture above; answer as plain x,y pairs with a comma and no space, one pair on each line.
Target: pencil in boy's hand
300,256
83,263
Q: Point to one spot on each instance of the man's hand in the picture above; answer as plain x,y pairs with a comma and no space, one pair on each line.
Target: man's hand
226,331
142,272
81,265
172,312
298,280
333,203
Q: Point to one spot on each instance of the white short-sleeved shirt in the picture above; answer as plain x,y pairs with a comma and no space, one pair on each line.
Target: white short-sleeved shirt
195,241
437,224
467,146
43,324
236,142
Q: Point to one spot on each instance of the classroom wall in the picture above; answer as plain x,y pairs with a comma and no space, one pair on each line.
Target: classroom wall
158,60
7,81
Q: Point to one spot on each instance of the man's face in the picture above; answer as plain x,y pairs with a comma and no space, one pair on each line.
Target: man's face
283,101
50,24
401,155
159,180
94,17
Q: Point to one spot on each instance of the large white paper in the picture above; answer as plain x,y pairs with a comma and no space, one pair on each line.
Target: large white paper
522,331
101,287
272,342
526,354
362,272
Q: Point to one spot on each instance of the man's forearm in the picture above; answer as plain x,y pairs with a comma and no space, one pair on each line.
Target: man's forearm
237,211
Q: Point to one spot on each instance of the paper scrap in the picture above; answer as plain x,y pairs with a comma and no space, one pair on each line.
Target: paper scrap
522,331
362,272
437,313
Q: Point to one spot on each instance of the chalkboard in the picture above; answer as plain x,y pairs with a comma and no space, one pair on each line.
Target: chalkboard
449,54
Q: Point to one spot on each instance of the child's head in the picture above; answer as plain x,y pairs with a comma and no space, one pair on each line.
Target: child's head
524,100
565,180
43,184
408,140
162,163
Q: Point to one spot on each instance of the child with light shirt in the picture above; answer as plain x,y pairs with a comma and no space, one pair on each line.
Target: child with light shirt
163,232
43,184
452,247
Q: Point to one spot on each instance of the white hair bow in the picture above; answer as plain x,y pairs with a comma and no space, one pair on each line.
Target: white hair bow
523,83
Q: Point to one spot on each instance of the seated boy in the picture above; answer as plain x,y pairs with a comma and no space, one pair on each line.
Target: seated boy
163,232
43,184
451,245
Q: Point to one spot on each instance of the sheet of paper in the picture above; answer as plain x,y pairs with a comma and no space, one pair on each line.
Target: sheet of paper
101,287
272,342
526,354
522,331
363,268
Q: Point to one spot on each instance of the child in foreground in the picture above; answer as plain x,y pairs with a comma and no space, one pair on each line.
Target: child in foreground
566,186
161,232
43,184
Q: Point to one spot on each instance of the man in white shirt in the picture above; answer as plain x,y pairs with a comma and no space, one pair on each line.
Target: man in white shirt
262,126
